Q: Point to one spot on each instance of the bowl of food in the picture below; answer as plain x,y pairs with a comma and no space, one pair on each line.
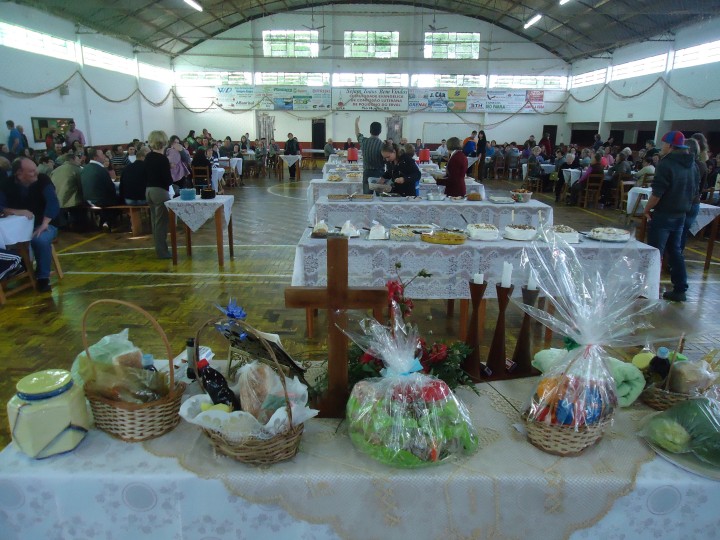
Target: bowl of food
521,195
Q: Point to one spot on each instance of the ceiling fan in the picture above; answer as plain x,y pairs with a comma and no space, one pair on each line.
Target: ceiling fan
312,18
434,27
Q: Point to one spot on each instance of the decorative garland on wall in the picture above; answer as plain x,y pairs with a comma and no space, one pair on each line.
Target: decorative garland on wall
688,101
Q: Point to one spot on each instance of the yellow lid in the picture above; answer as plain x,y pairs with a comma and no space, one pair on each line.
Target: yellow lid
44,382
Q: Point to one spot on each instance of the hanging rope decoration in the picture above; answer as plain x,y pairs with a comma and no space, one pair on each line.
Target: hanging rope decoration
689,101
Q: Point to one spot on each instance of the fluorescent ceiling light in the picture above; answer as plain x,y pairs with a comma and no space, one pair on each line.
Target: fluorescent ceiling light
563,2
194,4
528,24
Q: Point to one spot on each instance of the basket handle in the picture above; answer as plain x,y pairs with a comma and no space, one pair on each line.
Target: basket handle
250,330
153,322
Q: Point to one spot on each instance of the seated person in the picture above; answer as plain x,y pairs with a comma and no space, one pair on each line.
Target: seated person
418,145
32,195
98,187
201,166
133,182
329,148
585,157
648,169
441,152
454,180
401,169
578,187
565,162
226,149
534,168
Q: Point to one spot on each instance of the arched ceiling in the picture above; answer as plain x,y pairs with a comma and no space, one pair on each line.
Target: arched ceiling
576,30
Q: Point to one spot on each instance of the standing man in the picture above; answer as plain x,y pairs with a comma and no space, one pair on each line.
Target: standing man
32,195
73,135
371,147
15,140
598,142
292,148
673,190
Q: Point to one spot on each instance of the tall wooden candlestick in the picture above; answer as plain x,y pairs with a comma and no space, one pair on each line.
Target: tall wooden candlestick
471,364
523,348
496,356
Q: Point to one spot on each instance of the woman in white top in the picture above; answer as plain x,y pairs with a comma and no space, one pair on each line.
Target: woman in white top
647,169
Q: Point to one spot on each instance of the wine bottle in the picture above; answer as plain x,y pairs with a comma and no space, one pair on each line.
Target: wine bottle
190,352
216,386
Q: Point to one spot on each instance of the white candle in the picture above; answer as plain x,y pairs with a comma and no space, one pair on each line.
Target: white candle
512,216
532,283
479,278
506,275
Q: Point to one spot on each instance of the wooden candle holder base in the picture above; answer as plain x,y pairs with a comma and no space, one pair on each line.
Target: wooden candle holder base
472,364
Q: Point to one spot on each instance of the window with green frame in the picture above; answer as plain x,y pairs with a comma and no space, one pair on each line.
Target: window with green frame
290,43
452,45
370,44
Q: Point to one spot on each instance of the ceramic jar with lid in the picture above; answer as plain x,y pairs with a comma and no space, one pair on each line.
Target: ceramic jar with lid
48,415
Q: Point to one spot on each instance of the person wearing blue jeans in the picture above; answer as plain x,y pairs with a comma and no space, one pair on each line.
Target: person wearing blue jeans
674,188
32,195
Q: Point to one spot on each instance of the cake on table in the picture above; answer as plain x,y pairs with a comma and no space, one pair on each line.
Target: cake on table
482,231
334,178
570,235
610,234
377,232
516,231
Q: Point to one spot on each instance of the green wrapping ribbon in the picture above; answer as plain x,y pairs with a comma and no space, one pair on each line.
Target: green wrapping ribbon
570,343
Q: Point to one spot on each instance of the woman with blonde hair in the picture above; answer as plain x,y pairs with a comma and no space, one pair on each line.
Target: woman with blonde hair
159,180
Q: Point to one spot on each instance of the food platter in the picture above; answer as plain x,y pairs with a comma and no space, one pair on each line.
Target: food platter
611,240
501,200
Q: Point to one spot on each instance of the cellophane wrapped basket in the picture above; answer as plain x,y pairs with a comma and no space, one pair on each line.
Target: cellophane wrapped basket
134,422
258,447
405,418
596,305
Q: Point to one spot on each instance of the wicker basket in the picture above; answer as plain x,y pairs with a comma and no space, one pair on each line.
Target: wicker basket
135,422
661,399
565,441
252,450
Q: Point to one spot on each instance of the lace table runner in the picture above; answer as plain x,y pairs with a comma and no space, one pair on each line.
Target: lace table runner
195,213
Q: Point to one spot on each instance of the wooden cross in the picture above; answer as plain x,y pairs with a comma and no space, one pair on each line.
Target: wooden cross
337,298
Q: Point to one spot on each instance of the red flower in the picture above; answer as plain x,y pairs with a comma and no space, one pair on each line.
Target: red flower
438,353
366,358
435,391
395,290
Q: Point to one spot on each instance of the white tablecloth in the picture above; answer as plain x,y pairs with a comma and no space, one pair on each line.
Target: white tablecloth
372,263
319,187
118,491
217,174
291,160
195,213
546,167
14,229
572,175
444,213
234,163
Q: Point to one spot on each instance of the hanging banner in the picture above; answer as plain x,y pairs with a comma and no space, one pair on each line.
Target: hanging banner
438,99
274,98
370,99
512,101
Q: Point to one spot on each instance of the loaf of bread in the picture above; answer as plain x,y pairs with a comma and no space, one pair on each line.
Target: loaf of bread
131,359
254,383
474,197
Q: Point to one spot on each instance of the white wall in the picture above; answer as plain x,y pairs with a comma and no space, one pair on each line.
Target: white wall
102,122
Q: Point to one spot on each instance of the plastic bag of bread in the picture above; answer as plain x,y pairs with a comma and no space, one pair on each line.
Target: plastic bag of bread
254,382
405,418
691,377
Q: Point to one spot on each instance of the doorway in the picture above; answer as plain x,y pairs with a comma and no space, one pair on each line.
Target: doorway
552,130
318,133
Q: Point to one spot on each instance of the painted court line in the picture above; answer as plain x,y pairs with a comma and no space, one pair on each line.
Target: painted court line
81,243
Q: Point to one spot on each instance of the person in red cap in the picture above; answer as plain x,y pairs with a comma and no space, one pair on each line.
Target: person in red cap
673,190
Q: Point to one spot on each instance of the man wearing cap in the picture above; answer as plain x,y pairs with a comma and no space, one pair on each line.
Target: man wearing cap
673,190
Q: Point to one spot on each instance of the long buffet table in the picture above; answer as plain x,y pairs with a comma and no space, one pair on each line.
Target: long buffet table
452,267
176,487
445,213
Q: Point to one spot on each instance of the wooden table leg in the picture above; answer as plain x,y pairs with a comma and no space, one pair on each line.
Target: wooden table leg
711,243
230,238
24,249
188,243
310,322
481,319
450,308
219,235
173,235
464,308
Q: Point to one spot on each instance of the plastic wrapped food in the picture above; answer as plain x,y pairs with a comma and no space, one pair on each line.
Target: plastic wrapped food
405,418
596,305
690,426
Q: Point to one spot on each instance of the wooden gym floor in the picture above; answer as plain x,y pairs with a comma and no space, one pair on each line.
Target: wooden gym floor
41,331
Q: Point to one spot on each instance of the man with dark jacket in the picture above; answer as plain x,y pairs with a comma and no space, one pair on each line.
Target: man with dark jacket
32,195
292,148
97,186
673,190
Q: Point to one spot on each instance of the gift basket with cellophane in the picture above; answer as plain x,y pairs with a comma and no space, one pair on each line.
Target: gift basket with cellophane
597,304
405,418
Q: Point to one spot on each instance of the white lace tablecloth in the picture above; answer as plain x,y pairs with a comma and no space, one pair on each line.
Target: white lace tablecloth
15,229
291,160
444,213
319,188
546,167
217,174
195,213
707,212
572,175
234,163
372,263
175,487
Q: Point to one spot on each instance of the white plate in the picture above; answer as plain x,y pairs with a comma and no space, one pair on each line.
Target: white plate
518,240
501,200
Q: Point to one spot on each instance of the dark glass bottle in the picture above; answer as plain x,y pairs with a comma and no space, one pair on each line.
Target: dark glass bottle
660,364
216,386
190,350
